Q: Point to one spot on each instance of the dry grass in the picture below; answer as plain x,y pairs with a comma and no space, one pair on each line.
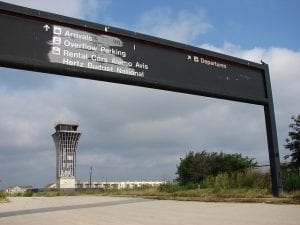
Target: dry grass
180,194
210,195
3,198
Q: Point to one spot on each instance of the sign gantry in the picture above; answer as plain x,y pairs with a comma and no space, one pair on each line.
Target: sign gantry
44,42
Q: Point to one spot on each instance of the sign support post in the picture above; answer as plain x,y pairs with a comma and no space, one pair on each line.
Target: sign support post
274,157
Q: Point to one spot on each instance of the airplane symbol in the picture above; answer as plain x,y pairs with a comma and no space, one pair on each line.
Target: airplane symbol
46,27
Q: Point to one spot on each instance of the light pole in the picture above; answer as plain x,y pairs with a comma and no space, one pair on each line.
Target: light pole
91,171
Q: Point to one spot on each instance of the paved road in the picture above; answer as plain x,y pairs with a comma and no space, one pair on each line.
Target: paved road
89,210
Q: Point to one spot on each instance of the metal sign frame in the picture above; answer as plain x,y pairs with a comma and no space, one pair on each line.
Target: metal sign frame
111,54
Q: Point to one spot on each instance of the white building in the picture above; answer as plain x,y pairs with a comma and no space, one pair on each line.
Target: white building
17,190
116,185
51,186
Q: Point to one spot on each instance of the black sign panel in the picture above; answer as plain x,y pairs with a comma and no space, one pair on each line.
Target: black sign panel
65,46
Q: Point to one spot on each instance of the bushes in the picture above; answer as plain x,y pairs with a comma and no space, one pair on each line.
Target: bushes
253,179
248,184
290,177
28,193
291,181
220,172
239,184
196,167
248,179
3,197
171,188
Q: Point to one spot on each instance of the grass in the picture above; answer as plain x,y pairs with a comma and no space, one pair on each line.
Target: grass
291,180
176,192
210,195
3,198
182,194
250,186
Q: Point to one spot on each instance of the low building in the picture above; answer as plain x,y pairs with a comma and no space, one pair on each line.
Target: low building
17,190
50,186
116,185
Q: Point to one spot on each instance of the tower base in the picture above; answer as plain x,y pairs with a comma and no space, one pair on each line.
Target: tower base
65,183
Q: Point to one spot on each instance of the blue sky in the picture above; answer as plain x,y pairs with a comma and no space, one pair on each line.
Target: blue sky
249,23
132,133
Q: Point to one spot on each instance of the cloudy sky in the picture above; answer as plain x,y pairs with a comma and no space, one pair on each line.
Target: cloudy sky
133,133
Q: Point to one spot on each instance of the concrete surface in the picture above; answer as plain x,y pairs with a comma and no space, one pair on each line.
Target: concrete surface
89,210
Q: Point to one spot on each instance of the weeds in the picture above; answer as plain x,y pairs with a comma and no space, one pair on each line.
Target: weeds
291,181
3,197
249,186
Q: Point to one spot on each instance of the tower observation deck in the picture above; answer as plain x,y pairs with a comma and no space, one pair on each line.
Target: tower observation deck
66,138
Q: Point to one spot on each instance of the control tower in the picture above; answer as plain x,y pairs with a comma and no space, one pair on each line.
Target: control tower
66,139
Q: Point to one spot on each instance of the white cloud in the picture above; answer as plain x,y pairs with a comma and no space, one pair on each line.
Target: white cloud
184,26
136,132
284,66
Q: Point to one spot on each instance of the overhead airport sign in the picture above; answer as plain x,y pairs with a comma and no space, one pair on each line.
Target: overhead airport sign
55,44
45,42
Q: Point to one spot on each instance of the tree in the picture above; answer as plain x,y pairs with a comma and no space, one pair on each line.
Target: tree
237,163
195,167
293,143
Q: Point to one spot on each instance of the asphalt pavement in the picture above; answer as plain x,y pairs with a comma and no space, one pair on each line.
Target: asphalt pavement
89,210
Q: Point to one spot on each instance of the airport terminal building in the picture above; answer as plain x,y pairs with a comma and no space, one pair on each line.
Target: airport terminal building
117,185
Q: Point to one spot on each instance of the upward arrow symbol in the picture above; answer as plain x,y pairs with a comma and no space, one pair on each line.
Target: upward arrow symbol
46,27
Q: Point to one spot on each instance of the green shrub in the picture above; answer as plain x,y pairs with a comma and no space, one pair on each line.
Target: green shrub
190,186
208,182
28,193
169,188
2,195
251,179
291,181
248,179
222,181
196,167
244,181
172,188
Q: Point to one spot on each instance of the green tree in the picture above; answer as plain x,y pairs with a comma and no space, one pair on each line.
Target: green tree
237,163
293,143
195,167
183,170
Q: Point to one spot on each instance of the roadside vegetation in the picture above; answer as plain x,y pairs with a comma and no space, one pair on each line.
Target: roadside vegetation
212,176
249,185
290,170
3,197
218,189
